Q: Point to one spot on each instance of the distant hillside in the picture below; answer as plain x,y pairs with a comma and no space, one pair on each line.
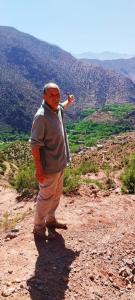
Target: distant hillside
125,67
106,55
26,63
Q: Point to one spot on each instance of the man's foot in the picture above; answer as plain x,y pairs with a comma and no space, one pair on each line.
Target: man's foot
39,231
56,224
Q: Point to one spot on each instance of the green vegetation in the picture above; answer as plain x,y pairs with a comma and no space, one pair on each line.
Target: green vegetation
128,176
13,136
87,167
3,146
7,134
99,184
72,176
84,133
88,133
2,165
18,153
87,112
25,179
71,180
118,111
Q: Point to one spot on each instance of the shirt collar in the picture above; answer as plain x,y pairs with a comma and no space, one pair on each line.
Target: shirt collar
44,104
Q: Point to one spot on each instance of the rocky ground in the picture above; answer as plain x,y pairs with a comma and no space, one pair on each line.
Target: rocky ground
94,259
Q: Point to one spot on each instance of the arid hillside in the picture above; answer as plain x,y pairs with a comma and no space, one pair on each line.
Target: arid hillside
95,257
26,63
124,67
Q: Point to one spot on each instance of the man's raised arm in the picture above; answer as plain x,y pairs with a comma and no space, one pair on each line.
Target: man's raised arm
69,101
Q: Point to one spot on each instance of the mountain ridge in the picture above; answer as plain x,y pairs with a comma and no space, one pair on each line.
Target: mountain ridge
125,67
105,55
26,63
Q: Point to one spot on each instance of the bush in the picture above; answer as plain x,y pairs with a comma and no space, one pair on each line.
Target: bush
118,110
25,178
99,184
128,176
71,180
87,167
72,175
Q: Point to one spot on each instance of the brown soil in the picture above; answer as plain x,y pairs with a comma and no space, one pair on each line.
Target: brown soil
93,259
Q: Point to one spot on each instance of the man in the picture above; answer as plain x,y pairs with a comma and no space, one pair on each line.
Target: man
51,154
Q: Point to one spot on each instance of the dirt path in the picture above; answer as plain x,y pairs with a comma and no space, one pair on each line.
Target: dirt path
94,259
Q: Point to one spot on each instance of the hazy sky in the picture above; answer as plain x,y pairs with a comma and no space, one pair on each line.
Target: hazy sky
75,25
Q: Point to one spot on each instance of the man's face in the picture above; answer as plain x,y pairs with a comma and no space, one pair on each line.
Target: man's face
52,97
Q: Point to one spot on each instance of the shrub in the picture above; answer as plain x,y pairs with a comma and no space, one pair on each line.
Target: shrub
128,176
118,110
99,184
25,178
8,222
87,112
71,180
74,148
110,183
88,167
72,175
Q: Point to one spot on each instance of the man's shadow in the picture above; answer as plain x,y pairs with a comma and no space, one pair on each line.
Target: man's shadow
51,270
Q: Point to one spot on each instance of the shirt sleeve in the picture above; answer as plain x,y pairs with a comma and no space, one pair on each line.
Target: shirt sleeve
38,132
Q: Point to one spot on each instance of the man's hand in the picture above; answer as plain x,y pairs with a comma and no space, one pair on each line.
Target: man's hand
40,176
71,99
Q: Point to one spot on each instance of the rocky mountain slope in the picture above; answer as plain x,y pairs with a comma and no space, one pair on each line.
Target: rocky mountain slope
124,67
26,63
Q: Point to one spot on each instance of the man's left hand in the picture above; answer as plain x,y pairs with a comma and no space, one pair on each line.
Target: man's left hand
71,99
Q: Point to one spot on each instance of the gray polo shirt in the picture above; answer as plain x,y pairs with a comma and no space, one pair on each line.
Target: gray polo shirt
48,133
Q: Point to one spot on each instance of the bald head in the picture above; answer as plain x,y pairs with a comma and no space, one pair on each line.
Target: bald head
51,95
50,85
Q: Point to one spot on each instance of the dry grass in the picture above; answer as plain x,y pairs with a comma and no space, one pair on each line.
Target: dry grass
9,222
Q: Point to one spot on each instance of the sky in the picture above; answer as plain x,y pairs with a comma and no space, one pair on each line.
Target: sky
76,26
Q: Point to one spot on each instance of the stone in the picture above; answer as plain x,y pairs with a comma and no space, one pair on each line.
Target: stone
7,292
99,146
91,277
10,236
22,286
93,252
129,286
10,271
115,285
124,272
129,262
16,229
111,279
16,280
18,207
133,260
8,284
118,191
133,270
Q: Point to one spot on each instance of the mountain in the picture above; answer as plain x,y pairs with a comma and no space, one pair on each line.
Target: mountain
125,67
26,63
106,55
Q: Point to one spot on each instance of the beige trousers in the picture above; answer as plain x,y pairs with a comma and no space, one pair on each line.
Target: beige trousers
48,198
